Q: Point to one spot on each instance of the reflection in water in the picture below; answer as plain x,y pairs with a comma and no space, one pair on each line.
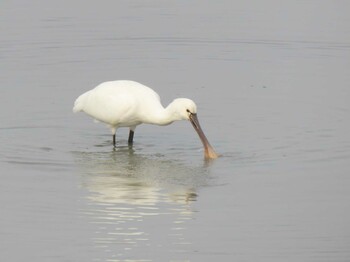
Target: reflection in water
139,203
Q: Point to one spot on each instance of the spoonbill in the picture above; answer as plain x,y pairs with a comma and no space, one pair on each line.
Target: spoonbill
125,103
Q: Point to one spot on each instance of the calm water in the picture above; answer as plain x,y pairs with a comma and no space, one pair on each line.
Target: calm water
271,81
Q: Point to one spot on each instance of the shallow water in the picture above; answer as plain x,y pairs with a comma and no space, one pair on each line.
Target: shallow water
271,84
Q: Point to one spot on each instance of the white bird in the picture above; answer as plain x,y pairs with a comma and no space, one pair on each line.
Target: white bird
125,103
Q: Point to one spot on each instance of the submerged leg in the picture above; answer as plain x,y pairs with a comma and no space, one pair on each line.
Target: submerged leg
113,131
131,137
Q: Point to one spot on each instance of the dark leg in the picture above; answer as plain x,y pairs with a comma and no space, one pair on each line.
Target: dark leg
114,139
131,137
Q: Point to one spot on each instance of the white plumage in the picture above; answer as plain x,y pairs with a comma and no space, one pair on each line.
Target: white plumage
126,103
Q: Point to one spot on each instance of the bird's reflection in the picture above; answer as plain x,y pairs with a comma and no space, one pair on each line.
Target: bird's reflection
129,192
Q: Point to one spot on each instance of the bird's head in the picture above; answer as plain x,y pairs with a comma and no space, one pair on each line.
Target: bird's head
184,108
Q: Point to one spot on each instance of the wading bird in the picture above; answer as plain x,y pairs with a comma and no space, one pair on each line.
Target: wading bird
127,103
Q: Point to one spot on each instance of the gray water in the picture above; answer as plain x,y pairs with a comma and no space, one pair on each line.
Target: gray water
271,82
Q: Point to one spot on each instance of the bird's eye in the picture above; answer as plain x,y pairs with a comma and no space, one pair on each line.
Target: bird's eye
188,111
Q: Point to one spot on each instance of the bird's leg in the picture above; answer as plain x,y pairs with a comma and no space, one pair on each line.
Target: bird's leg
113,131
131,137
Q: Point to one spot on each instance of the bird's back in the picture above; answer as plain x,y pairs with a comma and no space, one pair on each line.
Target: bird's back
117,103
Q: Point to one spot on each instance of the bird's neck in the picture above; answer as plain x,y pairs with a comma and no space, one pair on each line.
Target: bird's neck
164,116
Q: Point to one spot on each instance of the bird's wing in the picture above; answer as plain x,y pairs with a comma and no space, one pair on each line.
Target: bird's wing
110,107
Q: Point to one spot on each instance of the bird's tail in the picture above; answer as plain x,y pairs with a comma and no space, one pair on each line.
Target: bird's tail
79,103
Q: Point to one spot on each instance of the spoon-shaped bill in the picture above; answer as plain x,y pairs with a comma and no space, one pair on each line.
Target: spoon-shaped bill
209,152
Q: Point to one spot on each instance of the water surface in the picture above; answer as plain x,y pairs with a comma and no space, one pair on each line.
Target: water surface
271,84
